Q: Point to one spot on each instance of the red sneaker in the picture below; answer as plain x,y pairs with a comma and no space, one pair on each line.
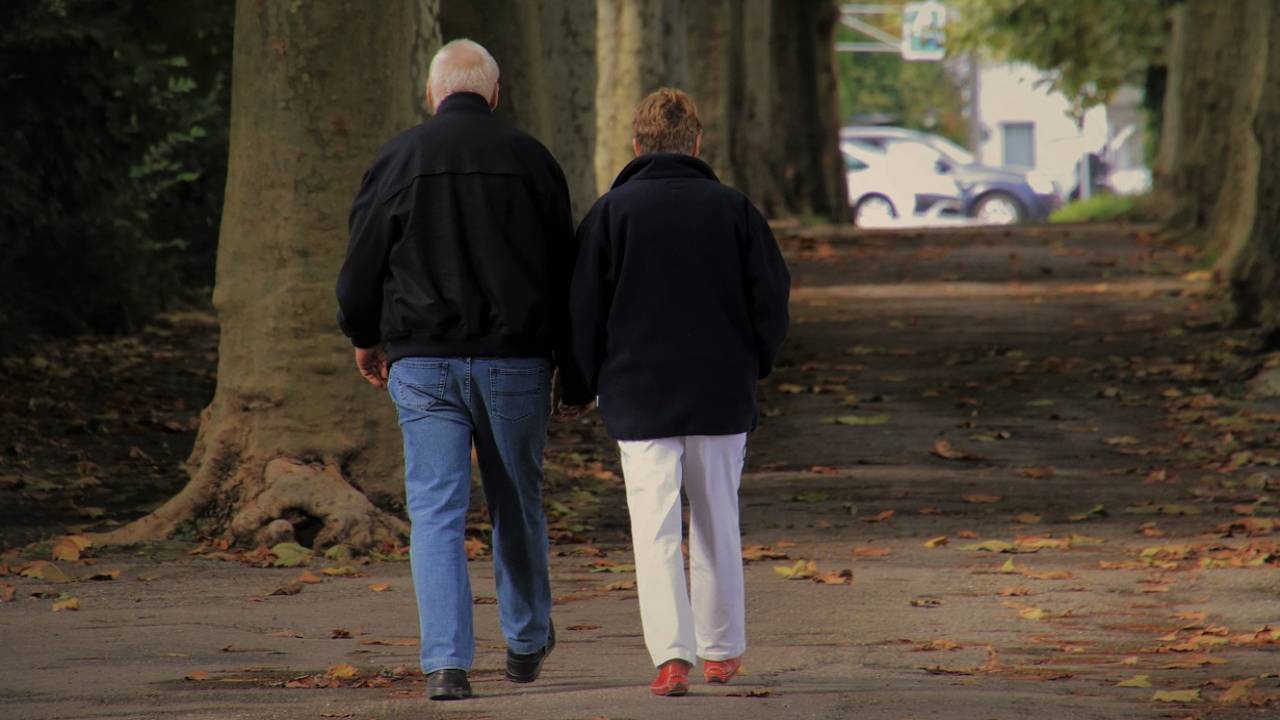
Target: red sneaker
721,671
673,678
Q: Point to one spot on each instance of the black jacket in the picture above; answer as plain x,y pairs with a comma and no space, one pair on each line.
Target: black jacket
679,302
461,242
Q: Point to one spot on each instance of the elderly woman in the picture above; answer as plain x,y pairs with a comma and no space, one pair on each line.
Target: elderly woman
679,305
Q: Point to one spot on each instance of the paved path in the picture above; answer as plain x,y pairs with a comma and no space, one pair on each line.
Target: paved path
1080,394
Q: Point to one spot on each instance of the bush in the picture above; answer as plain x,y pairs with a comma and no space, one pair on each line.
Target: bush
1100,208
113,157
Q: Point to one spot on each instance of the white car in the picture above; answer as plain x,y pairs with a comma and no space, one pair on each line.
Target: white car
900,185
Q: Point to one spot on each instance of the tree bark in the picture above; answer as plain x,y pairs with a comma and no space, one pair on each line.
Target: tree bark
293,433
1210,161
1255,266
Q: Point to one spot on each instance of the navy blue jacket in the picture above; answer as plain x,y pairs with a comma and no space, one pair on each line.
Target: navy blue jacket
678,304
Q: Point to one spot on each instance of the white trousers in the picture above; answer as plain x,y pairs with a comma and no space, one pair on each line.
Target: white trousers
709,467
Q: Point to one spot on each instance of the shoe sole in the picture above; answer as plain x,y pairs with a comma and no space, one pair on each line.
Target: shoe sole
674,690
449,695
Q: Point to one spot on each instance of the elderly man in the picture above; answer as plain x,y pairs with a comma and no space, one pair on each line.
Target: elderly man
454,293
679,304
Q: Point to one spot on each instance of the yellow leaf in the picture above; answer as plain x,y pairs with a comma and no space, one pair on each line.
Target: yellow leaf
1027,518
1177,696
66,549
1137,681
309,578
997,546
340,570
70,603
1008,567
1237,692
802,570
45,570
380,587
343,671
1032,613
936,542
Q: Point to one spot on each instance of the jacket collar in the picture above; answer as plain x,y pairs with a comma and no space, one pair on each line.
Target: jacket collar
665,165
466,102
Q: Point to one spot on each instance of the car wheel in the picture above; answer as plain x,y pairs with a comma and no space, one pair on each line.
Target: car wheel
997,208
874,211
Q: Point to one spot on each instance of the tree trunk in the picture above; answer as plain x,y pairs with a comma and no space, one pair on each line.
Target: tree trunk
546,50
295,445
639,48
806,106
1210,160
1255,268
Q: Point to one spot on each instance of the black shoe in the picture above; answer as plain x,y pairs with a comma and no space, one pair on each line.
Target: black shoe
526,668
448,684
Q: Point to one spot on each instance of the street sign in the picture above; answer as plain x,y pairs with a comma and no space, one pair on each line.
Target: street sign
924,30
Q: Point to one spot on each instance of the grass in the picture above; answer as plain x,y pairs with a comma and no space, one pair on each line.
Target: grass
1099,208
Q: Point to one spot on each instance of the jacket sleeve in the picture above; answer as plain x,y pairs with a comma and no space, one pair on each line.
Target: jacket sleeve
360,281
590,296
768,284
564,254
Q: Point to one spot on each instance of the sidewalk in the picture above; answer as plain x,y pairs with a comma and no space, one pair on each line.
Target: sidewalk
1026,447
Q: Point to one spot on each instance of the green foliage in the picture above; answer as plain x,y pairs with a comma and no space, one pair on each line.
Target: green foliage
1090,47
113,156
1099,208
923,96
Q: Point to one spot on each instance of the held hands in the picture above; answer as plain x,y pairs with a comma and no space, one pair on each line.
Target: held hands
372,364
563,412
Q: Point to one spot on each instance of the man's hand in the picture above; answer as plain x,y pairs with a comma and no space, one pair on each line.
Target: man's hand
573,412
372,364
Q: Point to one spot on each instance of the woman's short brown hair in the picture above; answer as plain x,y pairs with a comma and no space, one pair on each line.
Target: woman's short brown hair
666,121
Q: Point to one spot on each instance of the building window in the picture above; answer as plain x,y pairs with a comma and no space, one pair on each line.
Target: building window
1019,144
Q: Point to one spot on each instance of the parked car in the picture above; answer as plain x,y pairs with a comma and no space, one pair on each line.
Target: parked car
897,186
993,196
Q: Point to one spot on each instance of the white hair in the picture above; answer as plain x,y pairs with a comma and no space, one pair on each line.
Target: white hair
462,66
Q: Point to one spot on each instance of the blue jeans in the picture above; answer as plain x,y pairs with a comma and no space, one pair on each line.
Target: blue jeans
502,405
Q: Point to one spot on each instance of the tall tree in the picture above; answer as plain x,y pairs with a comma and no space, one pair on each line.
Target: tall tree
295,444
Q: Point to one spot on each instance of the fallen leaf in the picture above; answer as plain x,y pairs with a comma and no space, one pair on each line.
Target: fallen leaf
1193,661
996,546
290,588
404,642
45,570
926,603
937,645
1016,591
1027,518
1236,692
342,671
339,571
196,676
1137,681
1177,696
309,578
66,549
981,499
868,551
844,577
66,602
7,592
290,555
880,419
878,517
936,542
801,570
620,586
576,628
1037,473
475,547
942,448
752,553
380,587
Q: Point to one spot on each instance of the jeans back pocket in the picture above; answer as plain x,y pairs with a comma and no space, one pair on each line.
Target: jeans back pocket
519,392
418,385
